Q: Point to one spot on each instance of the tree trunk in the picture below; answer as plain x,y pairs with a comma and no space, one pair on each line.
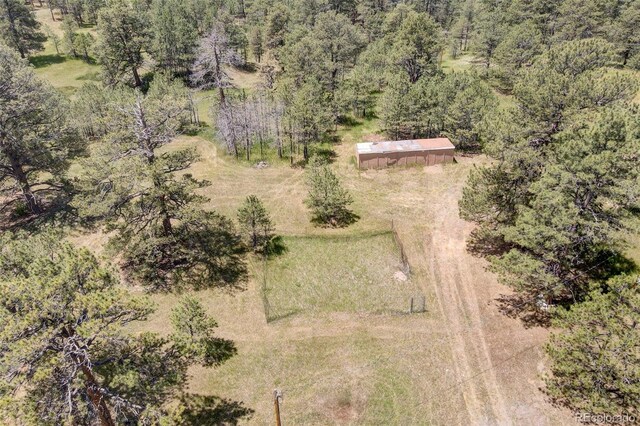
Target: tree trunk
291,144
167,227
91,383
20,176
96,397
243,13
278,140
136,77
254,235
51,10
218,72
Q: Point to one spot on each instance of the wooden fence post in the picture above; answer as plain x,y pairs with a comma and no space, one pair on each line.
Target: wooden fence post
277,395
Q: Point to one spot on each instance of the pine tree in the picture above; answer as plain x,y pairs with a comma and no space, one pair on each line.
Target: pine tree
464,102
35,141
69,34
454,105
174,36
165,238
396,103
310,113
193,333
255,224
83,43
580,19
54,37
19,28
123,38
276,29
257,43
489,29
518,49
341,42
550,209
575,208
327,200
417,45
65,356
355,92
595,359
624,31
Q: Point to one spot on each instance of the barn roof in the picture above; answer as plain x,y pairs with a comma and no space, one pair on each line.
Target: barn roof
404,146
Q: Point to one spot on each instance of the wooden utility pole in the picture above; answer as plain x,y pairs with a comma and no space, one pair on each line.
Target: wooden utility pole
277,396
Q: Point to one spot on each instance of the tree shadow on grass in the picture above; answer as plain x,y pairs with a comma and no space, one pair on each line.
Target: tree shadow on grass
611,263
248,67
278,317
42,61
200,410
346,218
349,121
56,211
276,247
327,155
483,244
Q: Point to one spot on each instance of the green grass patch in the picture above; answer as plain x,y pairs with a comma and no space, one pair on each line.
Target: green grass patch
460,63
359,130
336,274
64,73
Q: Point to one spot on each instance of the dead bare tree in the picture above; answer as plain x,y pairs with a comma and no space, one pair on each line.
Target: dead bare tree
213,55
243,121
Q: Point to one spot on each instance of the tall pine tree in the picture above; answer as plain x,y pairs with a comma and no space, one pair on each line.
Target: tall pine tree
165,237
19,28
35,140
65,357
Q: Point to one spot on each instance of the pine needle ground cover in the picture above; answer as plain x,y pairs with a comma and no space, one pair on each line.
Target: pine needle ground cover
337,274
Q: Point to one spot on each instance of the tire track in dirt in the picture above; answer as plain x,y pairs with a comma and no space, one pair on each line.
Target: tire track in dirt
453,271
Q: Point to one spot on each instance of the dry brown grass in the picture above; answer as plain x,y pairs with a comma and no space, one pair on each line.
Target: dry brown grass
461,362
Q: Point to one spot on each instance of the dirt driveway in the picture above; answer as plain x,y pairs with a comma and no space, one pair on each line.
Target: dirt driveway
497,361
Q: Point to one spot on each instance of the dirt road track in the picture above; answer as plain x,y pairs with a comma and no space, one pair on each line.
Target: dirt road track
496,359
453,273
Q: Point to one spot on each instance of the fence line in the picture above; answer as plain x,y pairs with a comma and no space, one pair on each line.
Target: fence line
406,268
263,291
417,302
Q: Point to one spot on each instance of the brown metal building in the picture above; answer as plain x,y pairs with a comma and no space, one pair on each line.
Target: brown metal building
377,155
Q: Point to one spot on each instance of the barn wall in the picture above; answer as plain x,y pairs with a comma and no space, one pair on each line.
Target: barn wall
379,161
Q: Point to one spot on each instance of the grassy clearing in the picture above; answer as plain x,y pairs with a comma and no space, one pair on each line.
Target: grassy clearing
337,274
65,74
360,130
281,188
461,63
360,378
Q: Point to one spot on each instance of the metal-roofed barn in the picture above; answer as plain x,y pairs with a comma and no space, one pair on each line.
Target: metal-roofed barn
377,155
